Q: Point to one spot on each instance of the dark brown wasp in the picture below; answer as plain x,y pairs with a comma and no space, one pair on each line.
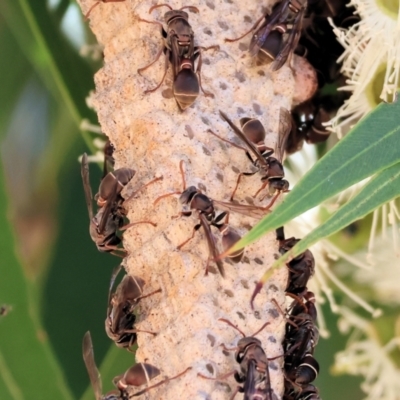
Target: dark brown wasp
121,319
307,124
320,42
205,209
319,45
110,215
301,368
309,118
253,135
301,268
137,375
178,47
301,337
254,370
98,2
277,37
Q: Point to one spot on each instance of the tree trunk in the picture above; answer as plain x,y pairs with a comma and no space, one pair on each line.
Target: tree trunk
152,136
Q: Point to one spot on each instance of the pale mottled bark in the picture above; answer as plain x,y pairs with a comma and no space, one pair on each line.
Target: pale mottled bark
152,136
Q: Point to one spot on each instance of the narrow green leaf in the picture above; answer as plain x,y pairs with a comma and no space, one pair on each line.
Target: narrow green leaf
62,70
15,67
371,146
28,368
382,188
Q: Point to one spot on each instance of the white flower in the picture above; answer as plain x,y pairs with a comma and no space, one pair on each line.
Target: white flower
99,142
383,277
371,60
365,356
390,218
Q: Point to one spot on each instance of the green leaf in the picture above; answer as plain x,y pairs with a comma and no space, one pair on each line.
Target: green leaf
28,368
62,70
384,187
371,146
15,67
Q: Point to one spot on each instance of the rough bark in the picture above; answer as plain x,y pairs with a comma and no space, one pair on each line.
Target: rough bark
152,136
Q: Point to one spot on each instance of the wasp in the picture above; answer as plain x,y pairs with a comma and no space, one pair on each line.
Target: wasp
301,268
137,375
252,135
121,306
205,208
109,219
181,53
254,370
278,35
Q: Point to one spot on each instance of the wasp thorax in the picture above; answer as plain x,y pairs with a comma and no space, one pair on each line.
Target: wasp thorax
303,116
202,203
172,15
112,185
275,168
246,341
188,194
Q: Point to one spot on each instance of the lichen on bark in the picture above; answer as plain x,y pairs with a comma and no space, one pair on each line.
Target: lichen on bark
151,135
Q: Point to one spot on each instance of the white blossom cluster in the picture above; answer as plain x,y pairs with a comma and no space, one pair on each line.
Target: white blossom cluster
370,61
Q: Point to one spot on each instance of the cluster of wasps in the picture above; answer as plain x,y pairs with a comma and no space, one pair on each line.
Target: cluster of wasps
119,324
276,36
109,220
301,334
291,27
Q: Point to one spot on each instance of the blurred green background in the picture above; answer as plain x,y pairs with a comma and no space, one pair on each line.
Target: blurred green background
51,273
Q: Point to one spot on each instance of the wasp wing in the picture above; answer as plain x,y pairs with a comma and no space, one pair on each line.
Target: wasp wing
253,149
260,36
88,358
86,185
254,388
114,275
108,207
249,388
285,127
175,58
243,209
212,246
291,42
